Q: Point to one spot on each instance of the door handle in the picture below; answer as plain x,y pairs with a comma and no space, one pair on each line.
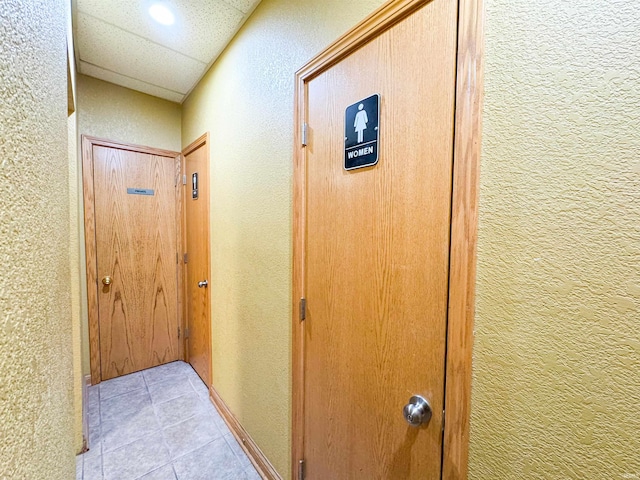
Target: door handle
106,280
417,411
203,283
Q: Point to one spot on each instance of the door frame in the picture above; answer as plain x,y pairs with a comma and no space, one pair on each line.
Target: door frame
88,143
201,141
464,219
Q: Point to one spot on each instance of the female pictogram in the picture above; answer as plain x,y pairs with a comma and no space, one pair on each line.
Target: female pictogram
361,122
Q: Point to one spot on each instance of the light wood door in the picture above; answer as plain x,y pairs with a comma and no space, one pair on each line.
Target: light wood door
197,267
136,237
376,255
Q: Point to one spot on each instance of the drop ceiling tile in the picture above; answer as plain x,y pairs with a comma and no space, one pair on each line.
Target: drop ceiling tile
132,83
245,6
202,28
111,48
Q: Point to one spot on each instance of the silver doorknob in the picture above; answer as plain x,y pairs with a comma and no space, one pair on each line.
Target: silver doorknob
203,283
417,411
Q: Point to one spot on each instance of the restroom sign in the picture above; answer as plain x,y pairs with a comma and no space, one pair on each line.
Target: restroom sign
361,133
194,186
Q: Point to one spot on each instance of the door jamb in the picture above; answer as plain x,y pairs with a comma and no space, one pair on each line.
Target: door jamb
201,141
88,143
464,219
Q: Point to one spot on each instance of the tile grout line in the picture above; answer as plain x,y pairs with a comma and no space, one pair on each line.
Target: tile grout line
129,392
230,446
201,411
164,438
201,401
100,427
189,452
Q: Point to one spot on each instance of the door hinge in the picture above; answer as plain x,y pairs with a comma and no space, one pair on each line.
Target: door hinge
186,333
301,471
305,131
303,309
178,333
443,420
184,179
185,258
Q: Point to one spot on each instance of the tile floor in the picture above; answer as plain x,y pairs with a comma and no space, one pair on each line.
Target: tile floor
159,424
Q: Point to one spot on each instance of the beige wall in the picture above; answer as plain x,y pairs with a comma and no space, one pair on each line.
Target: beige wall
75,279
36,399
246,102
116,113
74,238
556,387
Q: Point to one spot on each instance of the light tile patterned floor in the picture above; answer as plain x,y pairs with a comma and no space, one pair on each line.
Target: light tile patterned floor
159,424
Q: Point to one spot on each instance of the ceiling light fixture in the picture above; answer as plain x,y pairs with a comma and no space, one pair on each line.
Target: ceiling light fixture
161,14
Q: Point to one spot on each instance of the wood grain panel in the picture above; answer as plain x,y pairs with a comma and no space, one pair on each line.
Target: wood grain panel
171,160
198,300
136,244
130,147
90,249
464,233
391,12
464,219
377,255
180,242
298,284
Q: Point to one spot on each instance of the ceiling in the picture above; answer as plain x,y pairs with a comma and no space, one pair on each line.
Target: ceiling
118,41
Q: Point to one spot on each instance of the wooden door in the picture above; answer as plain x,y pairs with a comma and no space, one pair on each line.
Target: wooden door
197,267
136,243
375,254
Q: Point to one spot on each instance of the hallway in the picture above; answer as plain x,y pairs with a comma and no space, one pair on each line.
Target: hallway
549,305
159,424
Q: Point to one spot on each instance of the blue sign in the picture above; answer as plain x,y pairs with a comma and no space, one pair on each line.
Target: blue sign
361,122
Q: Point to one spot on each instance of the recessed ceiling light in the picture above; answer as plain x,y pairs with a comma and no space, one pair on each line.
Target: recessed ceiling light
161,14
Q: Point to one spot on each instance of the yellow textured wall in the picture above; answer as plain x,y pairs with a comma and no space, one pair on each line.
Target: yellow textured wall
74,238
556,382
36,368
116,113
123,115
75,280
246,102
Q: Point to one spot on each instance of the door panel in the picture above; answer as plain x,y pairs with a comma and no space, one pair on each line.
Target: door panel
197,268
136,245
377,254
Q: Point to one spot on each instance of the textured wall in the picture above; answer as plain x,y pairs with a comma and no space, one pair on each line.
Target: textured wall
36,371
246,102
556,387
75,280
116,113
74,238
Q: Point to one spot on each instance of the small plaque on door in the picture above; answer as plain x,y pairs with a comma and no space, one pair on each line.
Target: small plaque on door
194,186
361,133
140,191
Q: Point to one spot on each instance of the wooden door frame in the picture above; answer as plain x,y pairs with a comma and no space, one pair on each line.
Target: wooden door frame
464,219
201,141
88,143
